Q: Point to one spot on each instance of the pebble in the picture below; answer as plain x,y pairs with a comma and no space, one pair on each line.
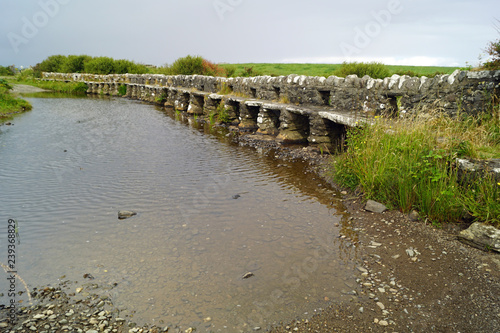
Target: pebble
383,323
54,303
380,305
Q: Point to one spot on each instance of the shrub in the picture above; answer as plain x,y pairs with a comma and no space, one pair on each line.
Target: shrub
122,90
6,71
222,113
75,64
4,84
188,65
126,66
375,70
211,69
100,65
493,50
230,70
249,71
53,63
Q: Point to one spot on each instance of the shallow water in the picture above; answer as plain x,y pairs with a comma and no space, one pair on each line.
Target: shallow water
68,166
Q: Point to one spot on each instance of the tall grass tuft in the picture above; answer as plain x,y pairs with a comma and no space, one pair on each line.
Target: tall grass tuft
375,70
410,164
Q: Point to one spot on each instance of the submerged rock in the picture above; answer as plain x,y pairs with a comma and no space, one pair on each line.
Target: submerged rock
124,214
479,235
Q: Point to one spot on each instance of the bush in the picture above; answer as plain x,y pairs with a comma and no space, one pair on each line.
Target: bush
126,66
493,50
4,84
188,65
211,69
122,90
100,65
6,71
51,64
375,70
75,64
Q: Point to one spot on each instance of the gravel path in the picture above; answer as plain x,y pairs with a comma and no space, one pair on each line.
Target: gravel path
26,89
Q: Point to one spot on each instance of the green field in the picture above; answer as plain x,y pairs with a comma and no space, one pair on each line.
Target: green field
323,69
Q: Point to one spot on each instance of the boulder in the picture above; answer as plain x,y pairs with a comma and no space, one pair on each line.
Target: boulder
471,170
484,237
375,207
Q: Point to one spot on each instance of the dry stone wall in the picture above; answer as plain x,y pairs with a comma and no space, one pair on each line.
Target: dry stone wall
302,108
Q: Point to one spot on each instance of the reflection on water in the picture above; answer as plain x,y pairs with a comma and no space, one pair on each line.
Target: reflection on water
208,213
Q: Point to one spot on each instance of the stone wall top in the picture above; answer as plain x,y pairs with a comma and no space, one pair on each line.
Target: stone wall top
461,91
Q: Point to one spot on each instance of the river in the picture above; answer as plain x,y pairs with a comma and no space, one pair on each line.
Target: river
209,211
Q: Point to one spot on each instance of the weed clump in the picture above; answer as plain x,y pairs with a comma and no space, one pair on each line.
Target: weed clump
375,70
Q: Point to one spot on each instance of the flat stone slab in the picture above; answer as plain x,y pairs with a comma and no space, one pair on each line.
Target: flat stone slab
481,236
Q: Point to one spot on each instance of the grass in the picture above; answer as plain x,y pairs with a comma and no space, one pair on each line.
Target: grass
10,104
410,164
324,69
222,113
57,86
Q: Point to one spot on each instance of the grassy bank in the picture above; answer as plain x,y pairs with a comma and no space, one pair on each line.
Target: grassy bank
410,165
251,69
10,104
56,86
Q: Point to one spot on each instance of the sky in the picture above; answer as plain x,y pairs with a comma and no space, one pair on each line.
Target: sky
157,32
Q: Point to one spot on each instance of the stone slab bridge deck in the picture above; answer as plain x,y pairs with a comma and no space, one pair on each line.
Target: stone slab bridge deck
301,109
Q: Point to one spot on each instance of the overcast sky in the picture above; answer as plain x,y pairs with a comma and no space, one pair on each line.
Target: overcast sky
412,32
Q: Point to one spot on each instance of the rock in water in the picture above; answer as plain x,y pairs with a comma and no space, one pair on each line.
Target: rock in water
375,207
124,214
247,275
484,237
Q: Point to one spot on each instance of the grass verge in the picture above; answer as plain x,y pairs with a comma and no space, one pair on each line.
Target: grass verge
79,88
10,104
410,164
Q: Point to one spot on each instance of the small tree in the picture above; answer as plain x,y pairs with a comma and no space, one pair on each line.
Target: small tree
52,64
